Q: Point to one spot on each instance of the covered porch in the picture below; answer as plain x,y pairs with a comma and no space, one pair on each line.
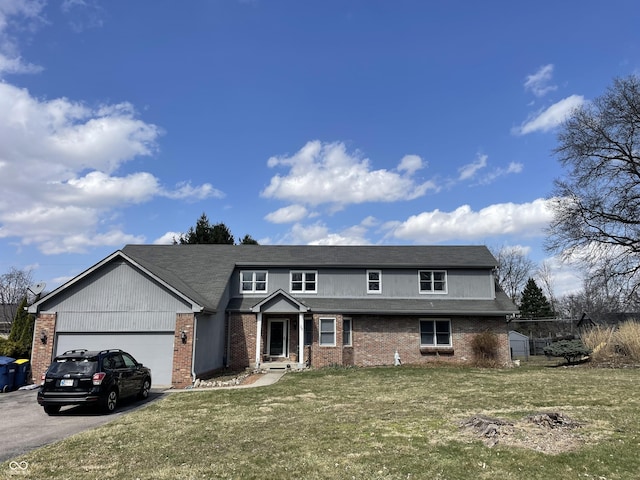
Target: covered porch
280,332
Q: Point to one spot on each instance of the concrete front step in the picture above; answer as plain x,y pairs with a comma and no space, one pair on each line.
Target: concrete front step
281,366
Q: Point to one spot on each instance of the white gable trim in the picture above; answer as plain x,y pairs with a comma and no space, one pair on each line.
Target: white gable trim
34,308
280,293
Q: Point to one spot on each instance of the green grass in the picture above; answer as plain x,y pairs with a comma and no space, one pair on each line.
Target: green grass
379,423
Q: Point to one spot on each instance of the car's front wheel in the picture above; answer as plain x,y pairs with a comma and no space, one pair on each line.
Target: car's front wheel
144,390
111,401
51,409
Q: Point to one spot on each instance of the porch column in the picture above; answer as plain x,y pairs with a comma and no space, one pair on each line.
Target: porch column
258,339
301,338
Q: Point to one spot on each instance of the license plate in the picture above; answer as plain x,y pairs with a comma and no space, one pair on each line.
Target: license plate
66,382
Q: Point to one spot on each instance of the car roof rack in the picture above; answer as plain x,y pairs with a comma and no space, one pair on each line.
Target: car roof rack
78,350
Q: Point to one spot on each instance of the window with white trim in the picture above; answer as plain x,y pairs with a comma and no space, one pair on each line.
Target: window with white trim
327,332
304,282
435,333
374,281
346,332
432,281
252,281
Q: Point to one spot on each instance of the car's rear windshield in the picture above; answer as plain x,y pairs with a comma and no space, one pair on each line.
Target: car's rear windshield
73,365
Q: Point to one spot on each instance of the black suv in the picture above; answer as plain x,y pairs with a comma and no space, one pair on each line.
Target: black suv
82,377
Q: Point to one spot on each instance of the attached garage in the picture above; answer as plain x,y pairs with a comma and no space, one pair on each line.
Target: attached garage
151,349
119,304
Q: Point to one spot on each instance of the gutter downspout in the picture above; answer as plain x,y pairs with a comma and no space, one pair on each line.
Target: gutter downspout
258,339
228,356
193,348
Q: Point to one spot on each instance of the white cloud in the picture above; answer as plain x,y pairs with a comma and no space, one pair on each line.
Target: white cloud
551,117
410,164
319,234
469,171
527,219
566,276
185,191
81,242
83,14
168,238
512,168
325,173
25,15
58,160
538,83
290,214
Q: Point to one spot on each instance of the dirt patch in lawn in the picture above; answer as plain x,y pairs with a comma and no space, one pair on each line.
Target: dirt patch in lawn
546,432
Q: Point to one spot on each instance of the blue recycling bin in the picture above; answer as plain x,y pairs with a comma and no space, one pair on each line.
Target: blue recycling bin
22,372
7,373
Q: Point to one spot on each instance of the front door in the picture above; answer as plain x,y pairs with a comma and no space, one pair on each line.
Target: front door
277,340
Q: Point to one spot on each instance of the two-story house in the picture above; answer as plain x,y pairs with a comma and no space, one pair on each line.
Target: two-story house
188,310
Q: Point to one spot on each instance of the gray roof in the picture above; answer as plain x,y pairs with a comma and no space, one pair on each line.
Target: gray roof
501,305
202,272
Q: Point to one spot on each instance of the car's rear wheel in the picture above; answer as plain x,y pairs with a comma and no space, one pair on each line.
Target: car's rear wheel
111,401
51,409
144,390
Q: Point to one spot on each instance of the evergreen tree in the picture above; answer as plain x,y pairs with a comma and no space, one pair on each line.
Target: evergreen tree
204,232
248,240
19,342
534,304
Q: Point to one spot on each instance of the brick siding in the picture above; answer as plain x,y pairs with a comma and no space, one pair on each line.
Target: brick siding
42,353
183,352
375,339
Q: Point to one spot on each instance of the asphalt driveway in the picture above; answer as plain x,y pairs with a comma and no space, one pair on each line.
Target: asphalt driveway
24,426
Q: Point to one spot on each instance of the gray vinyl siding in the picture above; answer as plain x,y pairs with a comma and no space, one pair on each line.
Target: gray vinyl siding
210,342
117,298
396,283
115,321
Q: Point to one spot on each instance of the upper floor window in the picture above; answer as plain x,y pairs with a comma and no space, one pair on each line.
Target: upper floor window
253,281
374,281
432,281
304,282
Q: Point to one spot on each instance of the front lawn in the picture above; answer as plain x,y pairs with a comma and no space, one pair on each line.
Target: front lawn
384,423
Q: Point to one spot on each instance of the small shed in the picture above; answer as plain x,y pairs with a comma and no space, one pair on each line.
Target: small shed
519,345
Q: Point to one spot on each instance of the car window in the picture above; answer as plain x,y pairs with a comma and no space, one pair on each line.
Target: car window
117,361
108,363
128,361
73,365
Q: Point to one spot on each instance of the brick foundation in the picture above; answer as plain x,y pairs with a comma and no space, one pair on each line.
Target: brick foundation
183,351
42,353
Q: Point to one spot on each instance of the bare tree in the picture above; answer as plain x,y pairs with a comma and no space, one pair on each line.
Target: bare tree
596,207
514,269
13,289
544,274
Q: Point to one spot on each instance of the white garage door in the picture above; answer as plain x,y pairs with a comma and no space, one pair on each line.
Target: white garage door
154,350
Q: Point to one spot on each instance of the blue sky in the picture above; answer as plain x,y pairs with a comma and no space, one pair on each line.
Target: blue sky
297,122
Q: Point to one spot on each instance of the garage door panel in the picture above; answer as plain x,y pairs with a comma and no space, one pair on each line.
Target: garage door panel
155,350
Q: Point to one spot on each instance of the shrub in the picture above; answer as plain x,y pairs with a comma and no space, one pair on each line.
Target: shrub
600,340
570,350
611,345
485,347
627,340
